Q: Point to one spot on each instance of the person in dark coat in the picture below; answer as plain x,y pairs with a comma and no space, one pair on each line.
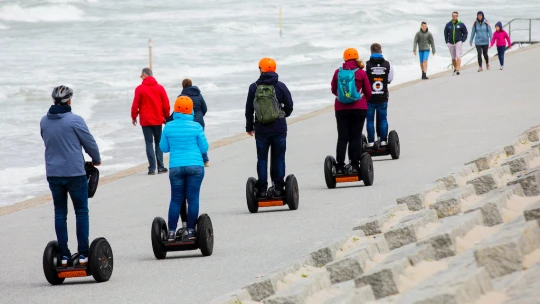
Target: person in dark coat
199,106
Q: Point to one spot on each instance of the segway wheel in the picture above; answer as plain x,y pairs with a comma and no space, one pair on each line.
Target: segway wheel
92,174
292,195
364,143
159,234
366,169
205,235
51,257
101,260
252,204
329,172
393,144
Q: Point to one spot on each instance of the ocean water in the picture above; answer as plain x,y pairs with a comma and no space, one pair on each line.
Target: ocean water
98,48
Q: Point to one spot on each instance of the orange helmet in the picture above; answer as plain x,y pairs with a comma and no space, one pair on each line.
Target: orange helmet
350,53
267,65
183,104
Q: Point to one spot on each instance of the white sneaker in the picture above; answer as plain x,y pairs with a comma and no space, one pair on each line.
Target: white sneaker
370,145
65,261
502,67
383,143
83,260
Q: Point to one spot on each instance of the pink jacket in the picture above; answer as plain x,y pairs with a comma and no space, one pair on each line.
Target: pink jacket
362,85
501,37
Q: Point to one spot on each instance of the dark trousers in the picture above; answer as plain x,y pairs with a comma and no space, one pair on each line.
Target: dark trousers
350,124
152,136
278,143
501,50
77,187
482,50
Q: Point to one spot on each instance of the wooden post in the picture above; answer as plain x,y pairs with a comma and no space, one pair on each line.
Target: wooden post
150,52
280,22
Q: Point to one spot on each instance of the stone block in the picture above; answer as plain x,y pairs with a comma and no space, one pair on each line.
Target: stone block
301,290
373,224
348,267
454,180
491,206
353,296
416,202
520,162
449,204
532,212
327,254
489,180
530,182
415,253
443,240
503,253
482,163
524,288
383,279
532,135
405,232
450,286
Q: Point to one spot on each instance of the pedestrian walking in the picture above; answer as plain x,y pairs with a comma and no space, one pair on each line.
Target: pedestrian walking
152,105
501,38
424,41
481,34
455,34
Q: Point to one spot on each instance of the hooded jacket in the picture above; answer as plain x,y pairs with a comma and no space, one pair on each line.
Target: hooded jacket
424,40
283,96
500,37
454,33
64,133
481,31
362,85
199,105
151,103
185,140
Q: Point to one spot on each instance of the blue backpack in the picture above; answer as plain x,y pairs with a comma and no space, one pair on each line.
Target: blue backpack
347,92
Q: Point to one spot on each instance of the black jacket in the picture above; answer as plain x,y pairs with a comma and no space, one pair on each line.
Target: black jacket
380,74
453,33
285,100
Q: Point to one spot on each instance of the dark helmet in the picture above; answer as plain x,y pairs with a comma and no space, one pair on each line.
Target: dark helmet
62,94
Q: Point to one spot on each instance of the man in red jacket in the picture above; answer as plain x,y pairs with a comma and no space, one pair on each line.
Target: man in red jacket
152,104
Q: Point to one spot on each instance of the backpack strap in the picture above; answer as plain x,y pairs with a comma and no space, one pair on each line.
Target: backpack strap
356,70
340,69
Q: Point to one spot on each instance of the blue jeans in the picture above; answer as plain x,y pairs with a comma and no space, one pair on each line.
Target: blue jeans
152,137
278,142
381,109
500,52
185,185
77,187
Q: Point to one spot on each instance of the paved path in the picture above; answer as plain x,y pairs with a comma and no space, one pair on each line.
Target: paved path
442,123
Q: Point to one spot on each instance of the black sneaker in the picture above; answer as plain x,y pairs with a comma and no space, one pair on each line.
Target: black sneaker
340,170
180,232
162,170
457,73
151,172
262,194
279,192
353,170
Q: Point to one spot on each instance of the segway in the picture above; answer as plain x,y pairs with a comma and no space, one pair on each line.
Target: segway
365,173
204,238
392,148
100,263
92,174
291,195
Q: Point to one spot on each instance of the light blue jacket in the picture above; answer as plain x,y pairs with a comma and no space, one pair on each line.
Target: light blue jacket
64,133
483,33
186,141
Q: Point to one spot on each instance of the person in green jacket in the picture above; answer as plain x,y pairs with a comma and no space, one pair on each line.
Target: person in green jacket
424,40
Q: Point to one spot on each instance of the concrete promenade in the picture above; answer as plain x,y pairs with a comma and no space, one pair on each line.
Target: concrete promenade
442,123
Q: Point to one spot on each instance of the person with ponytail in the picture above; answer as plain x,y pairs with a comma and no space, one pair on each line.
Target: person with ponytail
350,106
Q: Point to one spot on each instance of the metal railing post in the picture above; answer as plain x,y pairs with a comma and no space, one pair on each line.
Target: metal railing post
530,29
